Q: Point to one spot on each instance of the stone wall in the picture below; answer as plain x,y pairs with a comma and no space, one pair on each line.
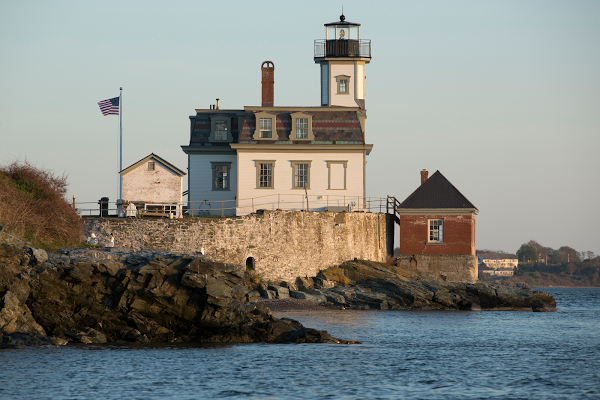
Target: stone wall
449,267
281,245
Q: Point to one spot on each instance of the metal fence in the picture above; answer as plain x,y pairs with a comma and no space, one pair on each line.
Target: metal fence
223,208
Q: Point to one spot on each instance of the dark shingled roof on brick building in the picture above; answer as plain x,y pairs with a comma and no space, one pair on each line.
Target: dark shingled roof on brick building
437,192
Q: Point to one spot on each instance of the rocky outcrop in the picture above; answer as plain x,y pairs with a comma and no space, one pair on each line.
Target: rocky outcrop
369,285
99,295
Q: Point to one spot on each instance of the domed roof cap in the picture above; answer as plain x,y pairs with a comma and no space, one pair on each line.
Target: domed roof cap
342,21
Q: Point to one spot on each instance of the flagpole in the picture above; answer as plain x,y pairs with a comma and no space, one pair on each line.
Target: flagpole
120,143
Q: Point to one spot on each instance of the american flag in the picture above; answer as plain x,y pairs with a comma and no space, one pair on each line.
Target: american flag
110,106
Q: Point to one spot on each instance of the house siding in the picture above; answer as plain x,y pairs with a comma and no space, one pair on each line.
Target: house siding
344,100
159,186
200,184
283,195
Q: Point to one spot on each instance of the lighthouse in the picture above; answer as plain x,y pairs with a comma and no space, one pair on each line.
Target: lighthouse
342,57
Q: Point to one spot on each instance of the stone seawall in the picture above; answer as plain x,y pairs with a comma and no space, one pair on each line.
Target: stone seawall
453,268
280,245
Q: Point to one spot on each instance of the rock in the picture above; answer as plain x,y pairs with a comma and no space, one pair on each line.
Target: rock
20,339
282,292
369,285
109,294
88,335
317,298
304,283
39,256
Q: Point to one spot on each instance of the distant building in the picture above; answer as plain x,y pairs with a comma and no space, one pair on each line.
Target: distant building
500,264
153,185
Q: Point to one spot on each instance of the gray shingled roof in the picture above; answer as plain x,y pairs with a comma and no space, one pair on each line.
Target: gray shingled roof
437,192
327,126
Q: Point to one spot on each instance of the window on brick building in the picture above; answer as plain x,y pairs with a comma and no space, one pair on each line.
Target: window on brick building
436,230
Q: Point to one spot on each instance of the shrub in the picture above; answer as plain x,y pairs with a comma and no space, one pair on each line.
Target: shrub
33,207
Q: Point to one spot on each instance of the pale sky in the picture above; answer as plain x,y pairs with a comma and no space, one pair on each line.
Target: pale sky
503,97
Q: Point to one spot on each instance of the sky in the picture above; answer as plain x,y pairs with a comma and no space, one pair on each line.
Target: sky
502,97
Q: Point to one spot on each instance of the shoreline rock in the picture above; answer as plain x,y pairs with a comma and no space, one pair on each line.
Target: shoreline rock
365,285
110,295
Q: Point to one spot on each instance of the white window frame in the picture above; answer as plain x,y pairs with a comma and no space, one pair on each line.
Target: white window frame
435,231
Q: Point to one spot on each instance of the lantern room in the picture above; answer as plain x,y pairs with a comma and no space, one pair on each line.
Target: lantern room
342,39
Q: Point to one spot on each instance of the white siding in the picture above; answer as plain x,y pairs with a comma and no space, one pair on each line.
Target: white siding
336,176
159,186
200,185
284,196
344,100
360,81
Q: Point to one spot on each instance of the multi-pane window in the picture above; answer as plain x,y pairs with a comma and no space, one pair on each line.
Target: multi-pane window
344,86
265,175
221,177
266,128
436,230
220,130
300,175
151,166
301,128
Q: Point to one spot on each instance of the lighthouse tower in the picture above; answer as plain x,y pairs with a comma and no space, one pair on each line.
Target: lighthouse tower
342,56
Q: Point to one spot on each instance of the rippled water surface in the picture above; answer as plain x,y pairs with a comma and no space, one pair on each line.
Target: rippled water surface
420,355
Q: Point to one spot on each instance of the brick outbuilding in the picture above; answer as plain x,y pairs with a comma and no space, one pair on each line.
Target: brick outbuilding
437,230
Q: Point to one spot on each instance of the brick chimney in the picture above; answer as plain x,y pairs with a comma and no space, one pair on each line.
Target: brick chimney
268,79
424,176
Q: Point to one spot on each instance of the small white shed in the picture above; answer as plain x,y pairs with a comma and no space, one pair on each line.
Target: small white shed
154,186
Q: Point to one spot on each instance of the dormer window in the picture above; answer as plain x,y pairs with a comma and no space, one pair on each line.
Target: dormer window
265,126
301,126
220,128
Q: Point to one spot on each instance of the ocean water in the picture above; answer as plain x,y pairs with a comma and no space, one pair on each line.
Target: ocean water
404,354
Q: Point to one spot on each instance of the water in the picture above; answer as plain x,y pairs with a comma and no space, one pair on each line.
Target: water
411,355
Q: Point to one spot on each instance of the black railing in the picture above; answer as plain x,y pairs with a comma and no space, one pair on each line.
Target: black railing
343,48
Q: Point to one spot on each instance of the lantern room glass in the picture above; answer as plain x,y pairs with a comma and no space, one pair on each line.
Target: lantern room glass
341,32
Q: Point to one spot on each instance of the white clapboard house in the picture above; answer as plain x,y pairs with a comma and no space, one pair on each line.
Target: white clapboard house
290,158
152,187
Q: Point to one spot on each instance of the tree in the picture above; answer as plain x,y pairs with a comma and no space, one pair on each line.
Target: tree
571,254
527,252
542,250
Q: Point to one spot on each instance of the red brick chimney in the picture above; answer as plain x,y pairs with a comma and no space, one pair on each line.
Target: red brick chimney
268,79
424,176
